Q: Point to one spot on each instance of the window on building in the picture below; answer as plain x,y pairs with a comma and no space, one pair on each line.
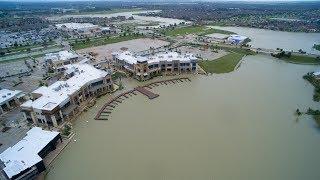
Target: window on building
97,83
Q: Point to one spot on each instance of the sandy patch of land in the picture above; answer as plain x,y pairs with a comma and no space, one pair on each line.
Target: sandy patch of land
207,54
135,45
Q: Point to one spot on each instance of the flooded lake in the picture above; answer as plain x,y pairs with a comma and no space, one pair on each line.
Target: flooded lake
239,126
162,21
262,38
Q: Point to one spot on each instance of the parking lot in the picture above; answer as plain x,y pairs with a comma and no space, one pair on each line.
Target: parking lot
135,45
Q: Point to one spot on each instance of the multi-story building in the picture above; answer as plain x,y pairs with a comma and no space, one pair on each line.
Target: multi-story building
60,59
10,99
24,160
145,67
80,29
52,105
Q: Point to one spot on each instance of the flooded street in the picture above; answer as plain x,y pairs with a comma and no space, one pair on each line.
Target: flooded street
239,125
262,38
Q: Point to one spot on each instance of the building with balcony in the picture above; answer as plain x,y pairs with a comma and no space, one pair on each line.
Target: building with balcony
146,67
52,105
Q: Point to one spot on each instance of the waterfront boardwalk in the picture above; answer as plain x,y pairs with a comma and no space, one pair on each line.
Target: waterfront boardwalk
104,112
146,92
107,108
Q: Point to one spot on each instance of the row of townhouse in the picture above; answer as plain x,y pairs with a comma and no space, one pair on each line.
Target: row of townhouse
145,67
52,105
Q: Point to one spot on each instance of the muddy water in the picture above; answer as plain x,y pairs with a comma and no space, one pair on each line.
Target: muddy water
239,126
262,38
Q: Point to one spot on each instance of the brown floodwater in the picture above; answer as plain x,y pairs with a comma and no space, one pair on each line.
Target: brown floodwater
239,125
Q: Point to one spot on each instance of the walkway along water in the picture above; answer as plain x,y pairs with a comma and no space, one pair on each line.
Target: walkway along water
107,108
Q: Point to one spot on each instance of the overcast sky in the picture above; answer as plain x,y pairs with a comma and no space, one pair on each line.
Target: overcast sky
164,0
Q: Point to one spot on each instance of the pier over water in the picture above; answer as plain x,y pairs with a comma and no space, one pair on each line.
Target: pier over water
107,108
146,92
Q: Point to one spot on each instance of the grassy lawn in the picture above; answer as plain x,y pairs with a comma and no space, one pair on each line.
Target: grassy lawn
81,44
183,30
24,47
224,64
23,58
235,49
211,31
301,59
200,30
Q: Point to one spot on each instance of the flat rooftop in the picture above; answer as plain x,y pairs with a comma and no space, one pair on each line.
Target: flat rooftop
167,56
58,93
237,37
6,95
77,26
24,154
60,56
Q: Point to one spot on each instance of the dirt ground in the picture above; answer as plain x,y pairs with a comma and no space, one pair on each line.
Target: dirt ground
207,54
135,45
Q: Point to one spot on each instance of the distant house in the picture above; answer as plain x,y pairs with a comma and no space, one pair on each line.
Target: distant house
317,74
10,99
24,160
108,30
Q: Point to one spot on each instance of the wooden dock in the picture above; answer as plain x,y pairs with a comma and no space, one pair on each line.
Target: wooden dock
146,92
107,108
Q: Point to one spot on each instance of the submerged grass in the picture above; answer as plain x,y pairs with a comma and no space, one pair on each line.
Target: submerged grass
300,59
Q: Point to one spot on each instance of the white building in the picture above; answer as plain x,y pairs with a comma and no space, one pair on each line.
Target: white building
145,67
52,105
77,26
24,160
82,29
61,58
10,99
237,39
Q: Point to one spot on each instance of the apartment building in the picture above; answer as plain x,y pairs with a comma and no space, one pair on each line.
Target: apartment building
145,67
54,104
